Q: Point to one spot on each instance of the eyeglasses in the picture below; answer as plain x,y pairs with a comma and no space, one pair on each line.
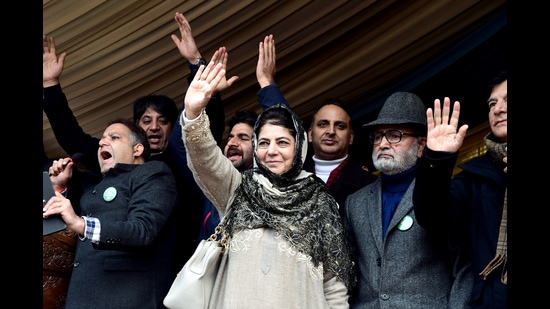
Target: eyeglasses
392,136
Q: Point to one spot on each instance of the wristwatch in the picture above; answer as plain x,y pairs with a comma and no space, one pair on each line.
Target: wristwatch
200,61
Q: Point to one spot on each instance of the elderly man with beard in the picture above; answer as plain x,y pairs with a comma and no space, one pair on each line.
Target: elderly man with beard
400,264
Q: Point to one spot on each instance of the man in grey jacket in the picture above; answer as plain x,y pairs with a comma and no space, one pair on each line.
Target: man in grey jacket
400,264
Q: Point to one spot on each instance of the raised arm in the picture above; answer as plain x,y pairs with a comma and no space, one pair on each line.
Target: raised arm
52,66
201,88
187,47
269,93
215,112
266,67
213,172
66,129
189,50
434,205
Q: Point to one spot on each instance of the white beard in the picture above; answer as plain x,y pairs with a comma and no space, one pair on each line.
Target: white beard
396,164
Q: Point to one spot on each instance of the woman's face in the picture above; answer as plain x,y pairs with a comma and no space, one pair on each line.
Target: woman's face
275,148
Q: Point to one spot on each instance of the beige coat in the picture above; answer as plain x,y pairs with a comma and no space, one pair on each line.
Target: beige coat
260,269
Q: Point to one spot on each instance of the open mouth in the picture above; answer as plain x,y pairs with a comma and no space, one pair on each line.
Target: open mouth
105,155
233,153
154,139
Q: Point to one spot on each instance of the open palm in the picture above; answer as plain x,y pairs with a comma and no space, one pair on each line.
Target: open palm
442,127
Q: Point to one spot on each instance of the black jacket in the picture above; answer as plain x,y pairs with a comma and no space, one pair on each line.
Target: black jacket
132,266
469,204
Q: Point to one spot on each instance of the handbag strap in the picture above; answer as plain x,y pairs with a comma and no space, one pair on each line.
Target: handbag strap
217,231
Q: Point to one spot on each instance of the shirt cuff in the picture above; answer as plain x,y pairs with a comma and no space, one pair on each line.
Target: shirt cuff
185,120
92,228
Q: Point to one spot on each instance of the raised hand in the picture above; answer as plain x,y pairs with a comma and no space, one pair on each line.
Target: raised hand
189,50
266,69
52,67
201,88
186,45
220,56
442,127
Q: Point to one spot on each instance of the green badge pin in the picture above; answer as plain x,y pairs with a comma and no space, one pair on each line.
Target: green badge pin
405,223
109,194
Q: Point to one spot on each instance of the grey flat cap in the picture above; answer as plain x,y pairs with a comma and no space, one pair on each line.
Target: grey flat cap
401,108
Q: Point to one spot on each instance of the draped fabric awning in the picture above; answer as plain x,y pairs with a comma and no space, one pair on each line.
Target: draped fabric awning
358,51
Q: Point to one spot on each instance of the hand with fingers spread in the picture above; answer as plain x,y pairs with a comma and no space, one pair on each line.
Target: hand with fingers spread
269,93
189,50
266,69
52,66
443,131
220,56
186,45
201,88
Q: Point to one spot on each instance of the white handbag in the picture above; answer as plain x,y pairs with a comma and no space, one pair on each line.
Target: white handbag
194,283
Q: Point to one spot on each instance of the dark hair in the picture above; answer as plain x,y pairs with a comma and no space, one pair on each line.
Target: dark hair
160,103
243,116
278,117
137,135
501,76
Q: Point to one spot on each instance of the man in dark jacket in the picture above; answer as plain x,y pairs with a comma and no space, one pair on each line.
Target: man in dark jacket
127,228
157,115
473,202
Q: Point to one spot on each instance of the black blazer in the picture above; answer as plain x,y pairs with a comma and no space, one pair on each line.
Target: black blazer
132,266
